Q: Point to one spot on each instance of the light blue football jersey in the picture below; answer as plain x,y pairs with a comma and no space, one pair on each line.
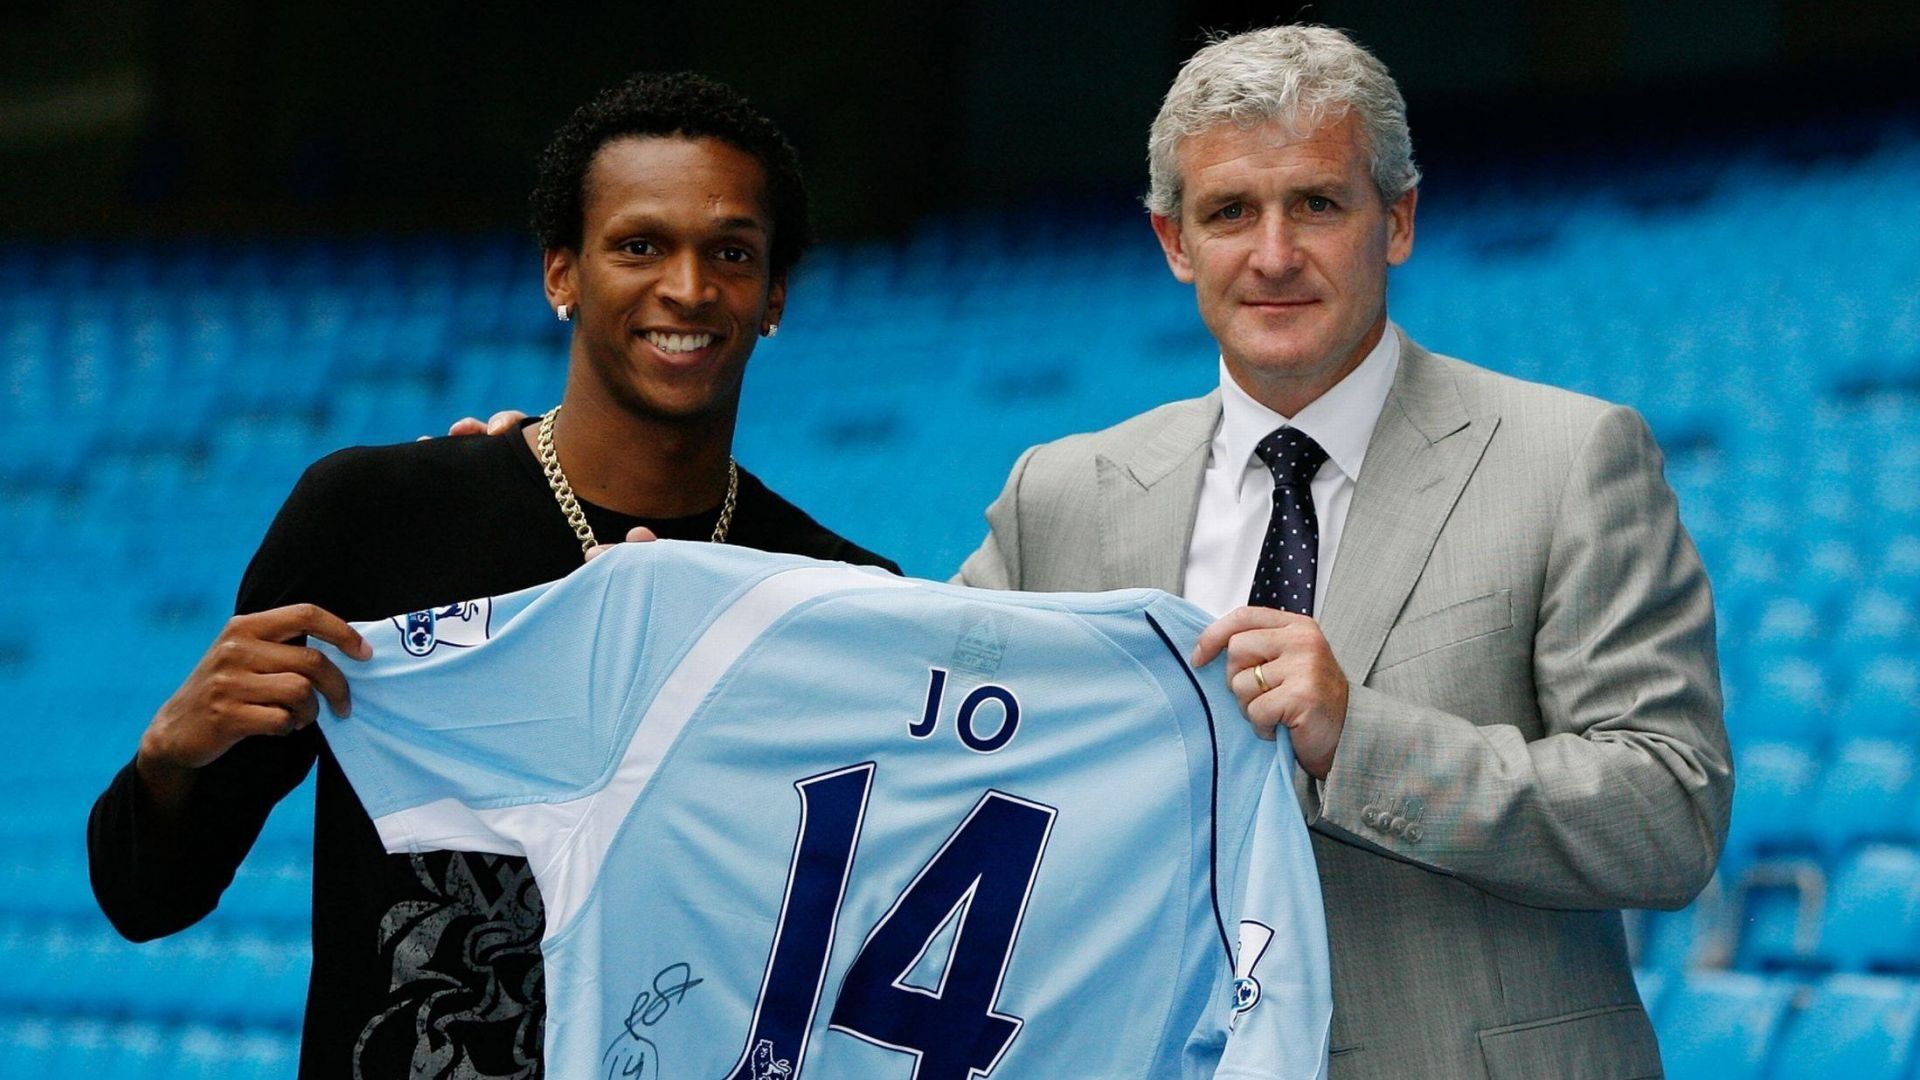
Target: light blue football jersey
794,818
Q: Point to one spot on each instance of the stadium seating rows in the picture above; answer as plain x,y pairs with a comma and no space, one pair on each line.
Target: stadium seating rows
165,396
1730,1025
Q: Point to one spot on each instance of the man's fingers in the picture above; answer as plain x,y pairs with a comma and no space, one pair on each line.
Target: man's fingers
504,421
499,423
1247,686
306,711
287,696
1266,721
310,620
285,689
1214,638
334,630
292,695
639,534
326,677
1250,647
1264,713
261,720
272,658
1278,708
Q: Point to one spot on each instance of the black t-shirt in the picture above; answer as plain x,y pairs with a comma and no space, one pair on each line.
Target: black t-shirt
424,966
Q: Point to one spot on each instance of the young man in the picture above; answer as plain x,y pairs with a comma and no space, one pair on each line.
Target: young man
670,213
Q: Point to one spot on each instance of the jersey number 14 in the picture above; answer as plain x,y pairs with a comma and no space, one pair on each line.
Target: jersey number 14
979,881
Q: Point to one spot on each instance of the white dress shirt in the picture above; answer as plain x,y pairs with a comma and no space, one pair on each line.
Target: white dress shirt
1236,495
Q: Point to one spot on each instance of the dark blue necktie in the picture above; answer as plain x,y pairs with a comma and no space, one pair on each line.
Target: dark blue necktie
1290,554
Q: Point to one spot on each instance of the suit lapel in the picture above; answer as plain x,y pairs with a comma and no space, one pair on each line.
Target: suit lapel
1424,448
1148,499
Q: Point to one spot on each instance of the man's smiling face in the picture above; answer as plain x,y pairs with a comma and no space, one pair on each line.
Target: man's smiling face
1286,242
672,280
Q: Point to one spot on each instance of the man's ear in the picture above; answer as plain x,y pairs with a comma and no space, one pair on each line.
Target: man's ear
777,298
557,269
1171,245
1400,227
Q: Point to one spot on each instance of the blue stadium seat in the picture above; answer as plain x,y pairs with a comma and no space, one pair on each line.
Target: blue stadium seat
1900,559
159,981
1779,903
1864,792
1885,697
1787,698
86,1048
202,1052
1767,518
23,970
1876,620
1784,627
1774,788
1719,1025
1831,571
1695,936
144,1050
265,1055
1859,1027
28,1045
257,982
1872,920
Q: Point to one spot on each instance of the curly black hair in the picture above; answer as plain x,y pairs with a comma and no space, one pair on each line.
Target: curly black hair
679,103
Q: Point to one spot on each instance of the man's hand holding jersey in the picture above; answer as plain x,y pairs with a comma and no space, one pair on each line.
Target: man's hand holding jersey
1281,668
253,680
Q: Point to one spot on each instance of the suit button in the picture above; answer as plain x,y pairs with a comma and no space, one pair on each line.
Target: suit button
1370,817
1397,826
1414,833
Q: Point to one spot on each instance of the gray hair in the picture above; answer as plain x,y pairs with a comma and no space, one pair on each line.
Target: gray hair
1297,75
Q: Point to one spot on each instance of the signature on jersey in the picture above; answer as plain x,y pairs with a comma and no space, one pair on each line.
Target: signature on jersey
631,1055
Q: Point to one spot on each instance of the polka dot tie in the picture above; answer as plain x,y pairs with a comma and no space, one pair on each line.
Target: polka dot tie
1290,554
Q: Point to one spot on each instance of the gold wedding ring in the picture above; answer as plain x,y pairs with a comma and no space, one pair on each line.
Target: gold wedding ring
1261,677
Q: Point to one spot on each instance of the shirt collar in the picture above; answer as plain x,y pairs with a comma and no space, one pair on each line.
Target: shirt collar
1340,420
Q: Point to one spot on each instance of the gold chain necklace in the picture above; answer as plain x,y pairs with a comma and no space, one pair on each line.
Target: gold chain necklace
570,506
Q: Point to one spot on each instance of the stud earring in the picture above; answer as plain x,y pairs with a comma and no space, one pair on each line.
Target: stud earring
564,312
772,329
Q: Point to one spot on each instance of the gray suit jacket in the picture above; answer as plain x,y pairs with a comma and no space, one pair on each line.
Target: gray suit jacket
1533,739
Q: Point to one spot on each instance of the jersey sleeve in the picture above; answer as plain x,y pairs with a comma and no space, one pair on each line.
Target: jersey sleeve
481,725
1279,1011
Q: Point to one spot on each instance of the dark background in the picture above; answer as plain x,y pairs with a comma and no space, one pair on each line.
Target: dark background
123,117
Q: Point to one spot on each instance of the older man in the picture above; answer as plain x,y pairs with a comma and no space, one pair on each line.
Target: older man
1467,599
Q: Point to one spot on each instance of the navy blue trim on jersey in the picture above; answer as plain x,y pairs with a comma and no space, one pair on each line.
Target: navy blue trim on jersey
1213,787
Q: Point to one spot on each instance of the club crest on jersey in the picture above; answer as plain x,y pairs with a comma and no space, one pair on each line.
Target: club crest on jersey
1254,939
982,648
1246,994
461,626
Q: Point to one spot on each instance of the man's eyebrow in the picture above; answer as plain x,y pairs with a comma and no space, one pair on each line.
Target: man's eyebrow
1326,182
648,221
1220,196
